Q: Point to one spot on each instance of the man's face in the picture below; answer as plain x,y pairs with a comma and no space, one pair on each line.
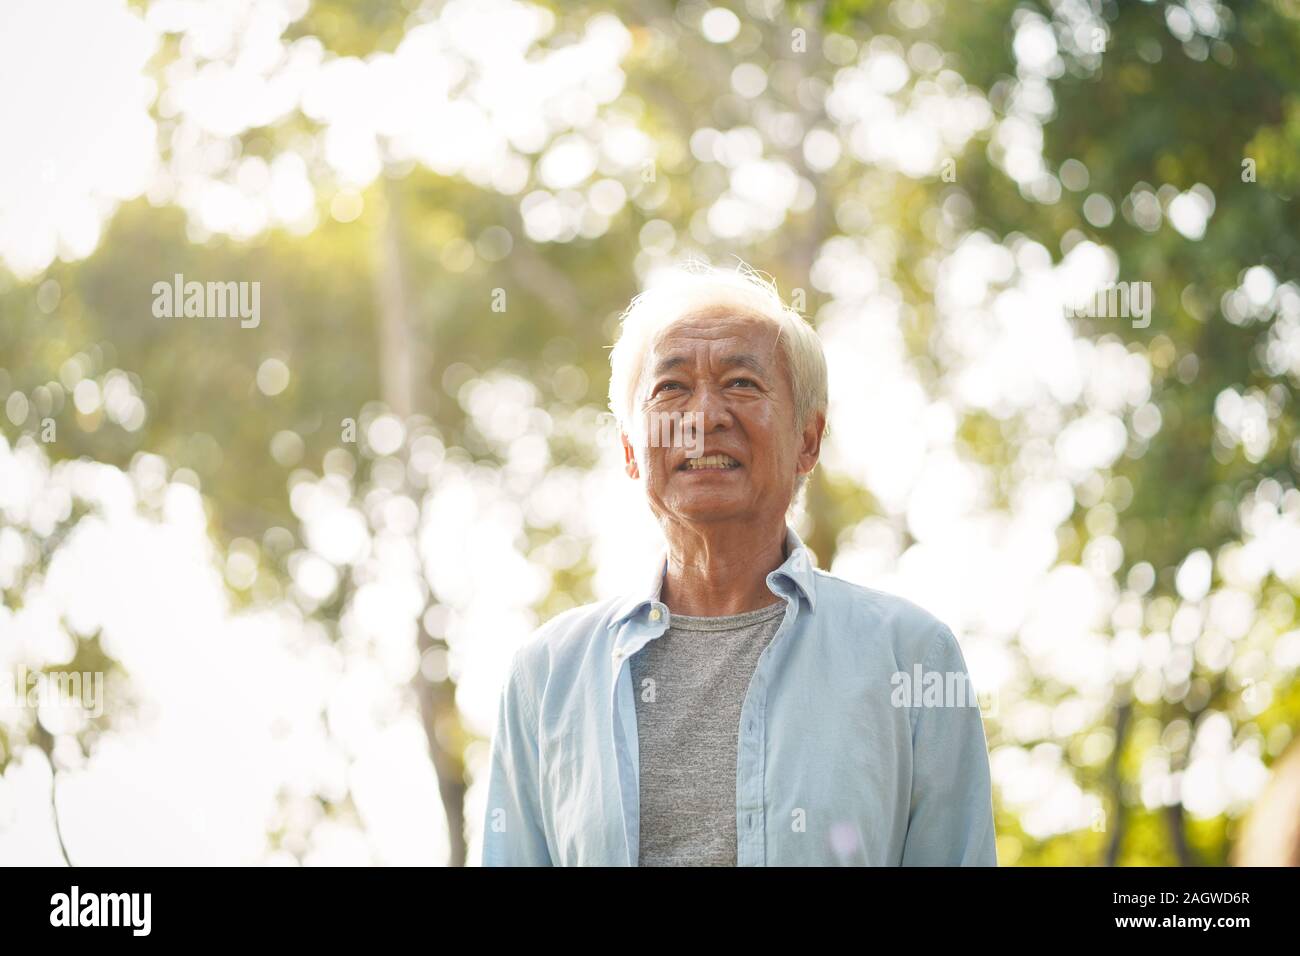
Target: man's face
722,371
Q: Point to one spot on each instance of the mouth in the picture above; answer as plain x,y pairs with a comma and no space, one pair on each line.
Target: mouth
709,463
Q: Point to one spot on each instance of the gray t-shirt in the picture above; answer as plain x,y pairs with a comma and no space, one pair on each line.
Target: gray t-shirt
690,684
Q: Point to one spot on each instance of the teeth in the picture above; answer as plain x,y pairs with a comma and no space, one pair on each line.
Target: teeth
712,461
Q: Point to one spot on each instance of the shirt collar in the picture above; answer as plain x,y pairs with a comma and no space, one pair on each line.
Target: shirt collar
797,568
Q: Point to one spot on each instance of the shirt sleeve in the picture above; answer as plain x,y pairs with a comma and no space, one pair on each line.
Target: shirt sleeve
951,819
512,827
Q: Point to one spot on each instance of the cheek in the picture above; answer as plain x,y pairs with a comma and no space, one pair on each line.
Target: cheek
655,466
769,435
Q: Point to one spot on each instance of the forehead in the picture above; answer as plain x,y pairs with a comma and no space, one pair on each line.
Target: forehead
715,327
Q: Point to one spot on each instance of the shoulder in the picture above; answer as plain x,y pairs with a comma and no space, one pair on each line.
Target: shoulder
913,633
564,639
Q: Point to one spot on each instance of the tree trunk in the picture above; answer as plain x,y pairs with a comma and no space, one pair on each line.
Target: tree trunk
1115,781
396,379
1270,835
397,357
438,712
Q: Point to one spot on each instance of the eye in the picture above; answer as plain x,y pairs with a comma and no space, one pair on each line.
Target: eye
663,385
749,381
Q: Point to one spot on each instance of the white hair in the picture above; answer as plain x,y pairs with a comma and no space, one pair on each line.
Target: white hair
694,287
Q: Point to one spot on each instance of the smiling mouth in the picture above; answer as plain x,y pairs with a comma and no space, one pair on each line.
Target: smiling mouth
709,463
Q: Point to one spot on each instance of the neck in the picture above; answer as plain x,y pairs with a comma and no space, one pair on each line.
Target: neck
722,569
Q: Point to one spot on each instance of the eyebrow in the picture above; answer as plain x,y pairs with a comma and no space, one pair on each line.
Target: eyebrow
743,360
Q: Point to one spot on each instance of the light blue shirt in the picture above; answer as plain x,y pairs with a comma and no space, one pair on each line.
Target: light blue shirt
841,759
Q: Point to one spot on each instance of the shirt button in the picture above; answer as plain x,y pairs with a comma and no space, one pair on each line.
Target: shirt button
655,614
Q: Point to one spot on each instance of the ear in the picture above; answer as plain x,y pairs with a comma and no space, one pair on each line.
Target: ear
629,457
810,448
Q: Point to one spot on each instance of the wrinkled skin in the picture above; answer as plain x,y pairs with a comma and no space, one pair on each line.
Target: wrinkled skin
725,529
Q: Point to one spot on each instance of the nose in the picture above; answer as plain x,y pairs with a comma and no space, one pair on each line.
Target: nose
710,407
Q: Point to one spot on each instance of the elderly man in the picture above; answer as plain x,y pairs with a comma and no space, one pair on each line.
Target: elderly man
745,708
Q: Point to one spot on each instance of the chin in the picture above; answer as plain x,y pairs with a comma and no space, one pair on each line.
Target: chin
713,508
